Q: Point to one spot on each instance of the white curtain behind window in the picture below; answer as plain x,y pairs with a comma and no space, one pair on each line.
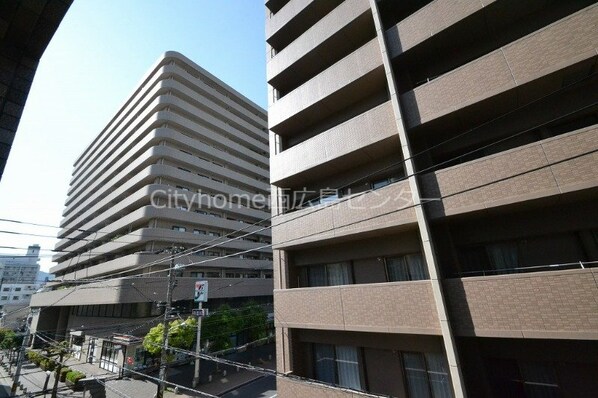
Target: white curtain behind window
438,375
317,276
347,361
397,269
339,274
416,266
503,256
416,374
325,365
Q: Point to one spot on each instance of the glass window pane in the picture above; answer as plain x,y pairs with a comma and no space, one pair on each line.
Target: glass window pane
503,256
416,266
324,363
540,380
397,269
317,276
347,362
416,375
438,375
339,274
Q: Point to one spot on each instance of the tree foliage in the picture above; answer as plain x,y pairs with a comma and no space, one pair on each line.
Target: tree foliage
9,339
225,323
181,335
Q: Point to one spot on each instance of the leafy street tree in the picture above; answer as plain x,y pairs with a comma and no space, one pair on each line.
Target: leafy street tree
249,321
219,327
9,339
181,335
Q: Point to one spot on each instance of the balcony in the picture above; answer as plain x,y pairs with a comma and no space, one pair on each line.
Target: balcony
372,213
294,19
397,307
428,21
543,305
352,78
543,56
551,167
315,42
357,140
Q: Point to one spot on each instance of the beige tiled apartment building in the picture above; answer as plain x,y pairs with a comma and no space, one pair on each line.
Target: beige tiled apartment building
184,162
435,171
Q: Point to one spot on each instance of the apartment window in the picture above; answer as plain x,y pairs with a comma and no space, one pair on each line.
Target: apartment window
500,257
4,298
213,253
182,188
213,274
216,215
199,232
197,274
410,267
339,365
510,377
383,182
17,289
201,212
215,234
179,229
329,275
6,289
15,297
182,208
426,375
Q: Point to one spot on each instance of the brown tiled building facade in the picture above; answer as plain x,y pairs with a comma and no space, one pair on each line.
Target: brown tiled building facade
434,168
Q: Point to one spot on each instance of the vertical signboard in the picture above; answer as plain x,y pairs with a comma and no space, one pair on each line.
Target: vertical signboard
201,292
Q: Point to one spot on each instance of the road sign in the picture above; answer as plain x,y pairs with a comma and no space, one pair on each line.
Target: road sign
201,312
201,292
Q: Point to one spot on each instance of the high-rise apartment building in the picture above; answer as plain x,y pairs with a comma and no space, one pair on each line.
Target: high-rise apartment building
184,162
26,28
434,167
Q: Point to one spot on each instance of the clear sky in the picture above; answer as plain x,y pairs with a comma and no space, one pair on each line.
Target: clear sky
97,57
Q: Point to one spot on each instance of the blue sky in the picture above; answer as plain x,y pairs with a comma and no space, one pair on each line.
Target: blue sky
97,57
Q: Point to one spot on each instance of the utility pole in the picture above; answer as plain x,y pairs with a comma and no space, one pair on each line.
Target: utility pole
201,296
167,308
15,383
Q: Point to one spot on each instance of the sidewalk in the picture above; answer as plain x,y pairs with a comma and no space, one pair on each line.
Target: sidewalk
32,380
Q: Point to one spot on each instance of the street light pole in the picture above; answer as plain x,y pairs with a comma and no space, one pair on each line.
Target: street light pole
197,348
165,334
21,354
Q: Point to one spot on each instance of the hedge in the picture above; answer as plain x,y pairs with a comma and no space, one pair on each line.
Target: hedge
74,376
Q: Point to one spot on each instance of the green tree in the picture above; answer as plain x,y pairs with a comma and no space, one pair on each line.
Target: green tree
219,327
11,340
181,335
254,321
249,321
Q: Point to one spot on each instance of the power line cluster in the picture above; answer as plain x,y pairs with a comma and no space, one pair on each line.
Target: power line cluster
220,241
